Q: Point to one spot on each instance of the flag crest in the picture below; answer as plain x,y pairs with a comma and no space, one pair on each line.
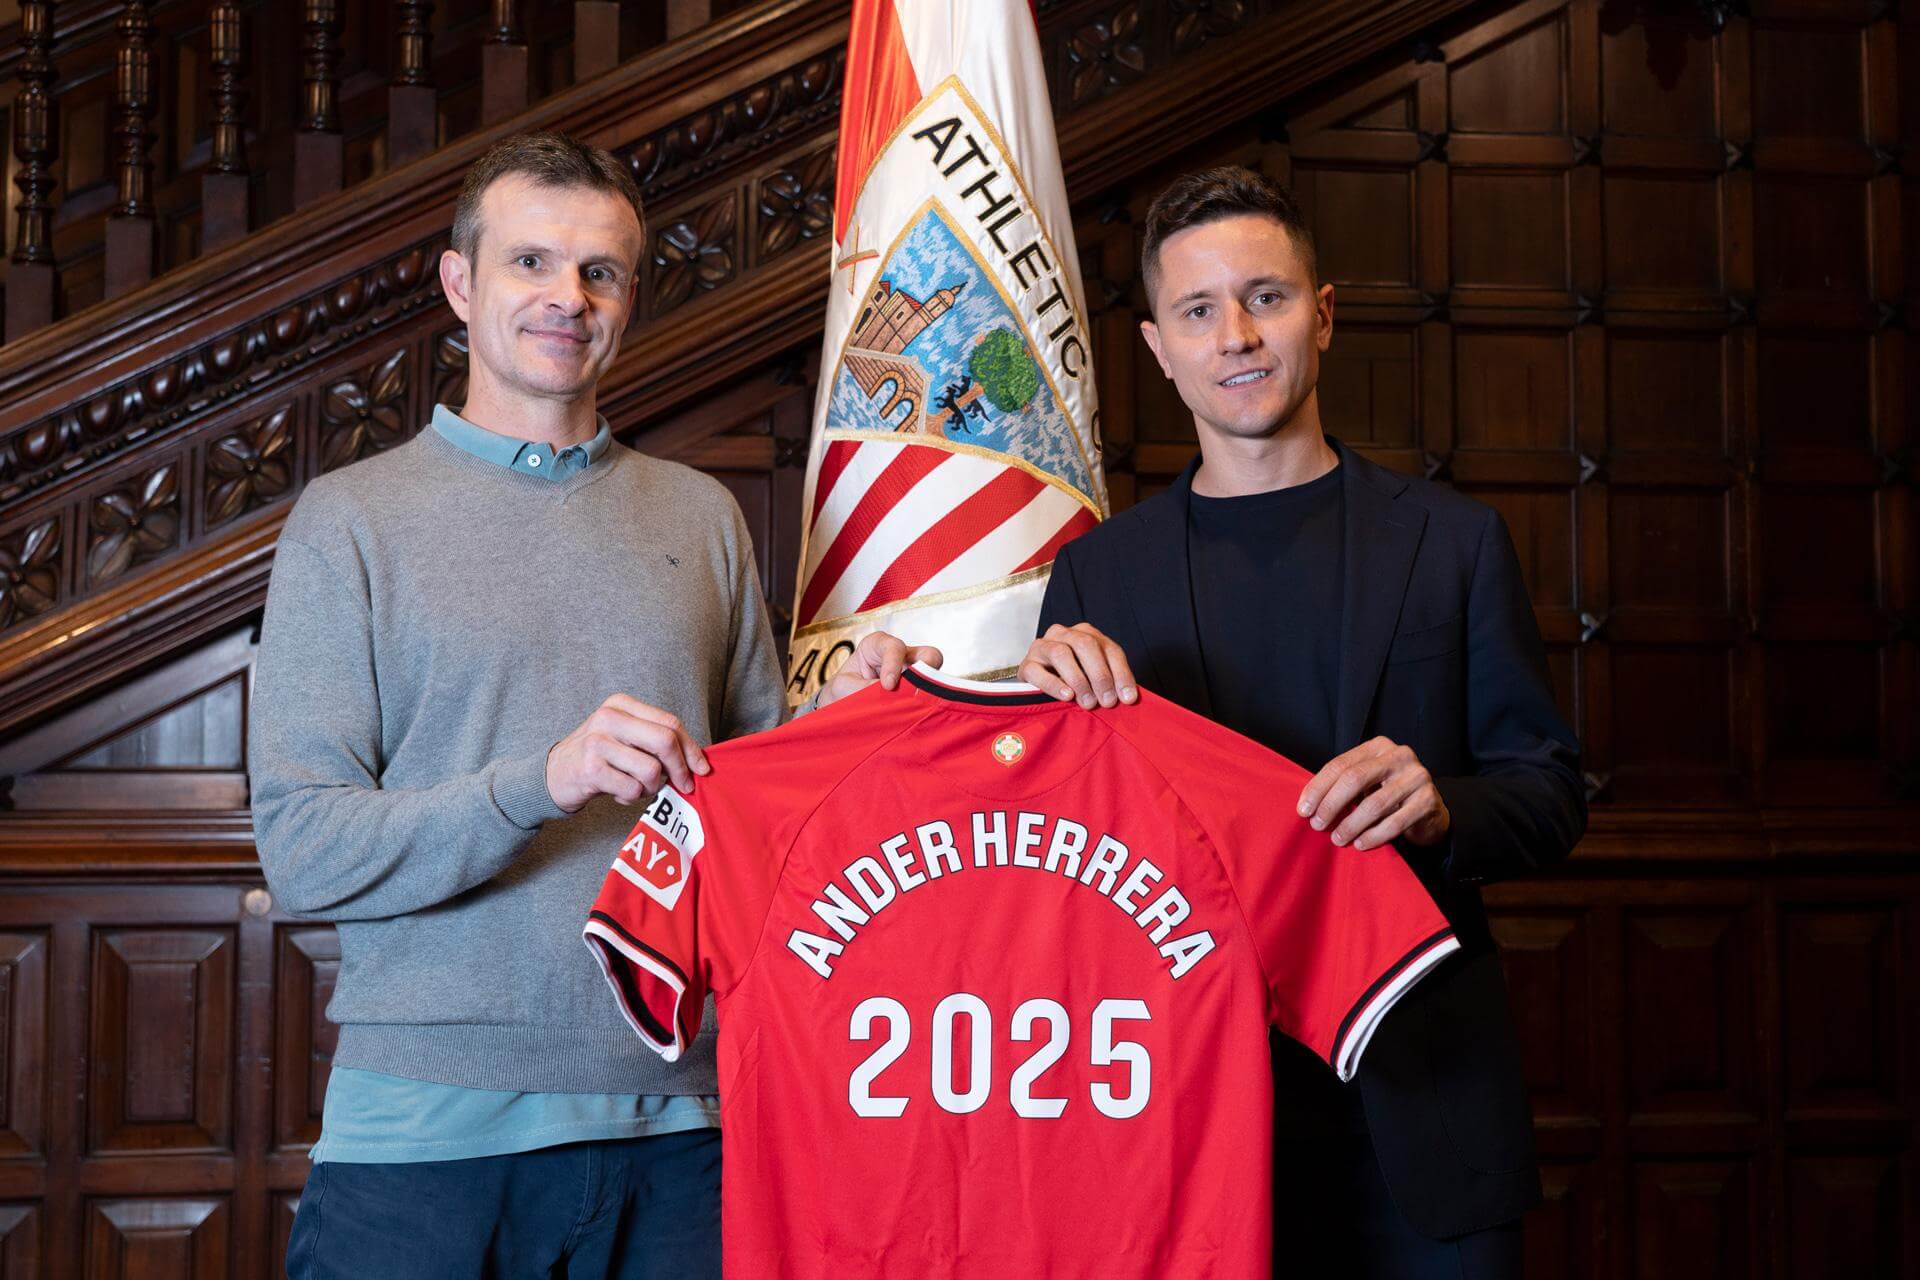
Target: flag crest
955,433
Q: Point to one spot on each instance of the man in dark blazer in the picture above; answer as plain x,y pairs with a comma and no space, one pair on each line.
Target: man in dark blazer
1375,629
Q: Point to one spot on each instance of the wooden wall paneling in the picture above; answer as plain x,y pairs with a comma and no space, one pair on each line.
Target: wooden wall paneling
20,1241
174,739
1820,171
1849,1190
792,426
284,1205
164,1010
254,1229
23,1041
134,1238
306,966
156,1076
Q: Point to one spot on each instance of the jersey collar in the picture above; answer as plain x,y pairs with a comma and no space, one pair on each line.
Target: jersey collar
1000,693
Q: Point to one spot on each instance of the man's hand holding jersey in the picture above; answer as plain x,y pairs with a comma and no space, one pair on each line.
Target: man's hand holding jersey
1375,793
628,749
1081,664
878,656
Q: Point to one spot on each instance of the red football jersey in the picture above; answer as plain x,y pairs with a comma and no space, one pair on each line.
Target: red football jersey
994,977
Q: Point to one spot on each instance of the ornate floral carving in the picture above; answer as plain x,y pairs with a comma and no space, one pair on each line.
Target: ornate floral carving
133,523
772,111
796,203
450,367
1104,54
1197,21
29,571
695,252
266,347
365,414
250,467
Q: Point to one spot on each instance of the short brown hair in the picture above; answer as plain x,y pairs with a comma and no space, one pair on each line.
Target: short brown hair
550,159
1212,194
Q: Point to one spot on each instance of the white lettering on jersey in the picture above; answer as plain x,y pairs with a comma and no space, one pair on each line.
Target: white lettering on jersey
1186,952
1124,1059
658,857
817,951
876,884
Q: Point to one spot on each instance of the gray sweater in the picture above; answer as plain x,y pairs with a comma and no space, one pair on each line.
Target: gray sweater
435,623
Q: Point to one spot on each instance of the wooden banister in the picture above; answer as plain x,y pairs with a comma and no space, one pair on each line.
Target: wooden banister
412,111
596,38
503,65
31,276
130,239
319,157
225,206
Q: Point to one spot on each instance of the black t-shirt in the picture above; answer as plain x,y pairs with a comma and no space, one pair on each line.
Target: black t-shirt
1266,572
1267,575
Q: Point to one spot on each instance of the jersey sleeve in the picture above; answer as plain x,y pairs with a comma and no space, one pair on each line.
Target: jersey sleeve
680,912
1341,935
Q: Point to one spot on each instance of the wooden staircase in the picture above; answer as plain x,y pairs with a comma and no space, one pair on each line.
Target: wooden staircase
151,444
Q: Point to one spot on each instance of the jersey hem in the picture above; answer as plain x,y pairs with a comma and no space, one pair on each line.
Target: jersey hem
1357,1028
603,936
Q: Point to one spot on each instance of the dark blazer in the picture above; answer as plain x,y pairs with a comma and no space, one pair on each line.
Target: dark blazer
1439,651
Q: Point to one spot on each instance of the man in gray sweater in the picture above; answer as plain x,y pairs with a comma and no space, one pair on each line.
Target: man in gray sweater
480,648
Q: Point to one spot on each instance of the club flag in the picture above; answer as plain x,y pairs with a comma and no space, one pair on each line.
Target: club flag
955,433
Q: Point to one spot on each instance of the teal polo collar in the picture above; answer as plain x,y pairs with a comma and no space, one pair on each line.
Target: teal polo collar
526,456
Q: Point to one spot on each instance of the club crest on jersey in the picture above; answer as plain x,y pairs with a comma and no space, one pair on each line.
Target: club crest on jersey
1008,748
658,856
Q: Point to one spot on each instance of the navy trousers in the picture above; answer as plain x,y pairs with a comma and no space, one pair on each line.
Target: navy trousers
635,1209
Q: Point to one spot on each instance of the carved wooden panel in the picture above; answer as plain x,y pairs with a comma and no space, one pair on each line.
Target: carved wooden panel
1691,1220
161,1238
21,1246
23,1042
163,1034
1843,986
1845,1217
1550,968
306,966
284,1206
1564,1236
1701,1067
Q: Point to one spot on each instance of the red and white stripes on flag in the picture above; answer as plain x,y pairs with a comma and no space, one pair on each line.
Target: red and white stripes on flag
954,443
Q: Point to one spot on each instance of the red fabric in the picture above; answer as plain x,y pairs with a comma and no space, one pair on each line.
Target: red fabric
833,460
914,464
1077,523
880,90
953,535
1301,935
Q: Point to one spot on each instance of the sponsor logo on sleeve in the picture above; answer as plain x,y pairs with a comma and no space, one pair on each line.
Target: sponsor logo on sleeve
658,856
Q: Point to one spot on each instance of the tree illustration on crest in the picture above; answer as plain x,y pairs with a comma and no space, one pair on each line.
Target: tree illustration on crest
1004,370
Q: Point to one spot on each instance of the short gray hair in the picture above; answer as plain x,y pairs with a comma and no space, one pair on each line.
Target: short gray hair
550,159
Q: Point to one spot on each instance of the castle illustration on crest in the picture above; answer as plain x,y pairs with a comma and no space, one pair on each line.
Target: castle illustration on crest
935,351
889,322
